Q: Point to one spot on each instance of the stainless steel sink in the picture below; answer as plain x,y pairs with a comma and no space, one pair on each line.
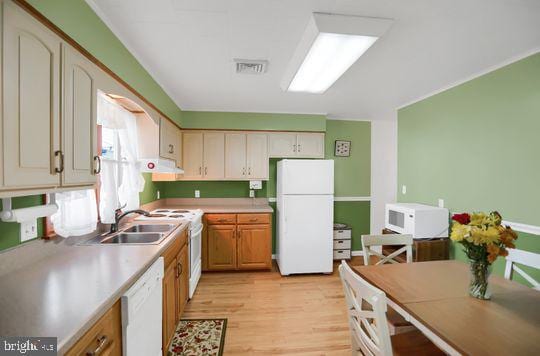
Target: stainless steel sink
134,238
150,228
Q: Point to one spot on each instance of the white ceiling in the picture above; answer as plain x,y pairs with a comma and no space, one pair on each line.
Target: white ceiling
188,46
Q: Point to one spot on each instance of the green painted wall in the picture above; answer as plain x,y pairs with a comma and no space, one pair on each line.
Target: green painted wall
476,146
79,21
252,121
352,174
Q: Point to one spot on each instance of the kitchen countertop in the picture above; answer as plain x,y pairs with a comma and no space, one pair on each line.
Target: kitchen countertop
217,205
63,294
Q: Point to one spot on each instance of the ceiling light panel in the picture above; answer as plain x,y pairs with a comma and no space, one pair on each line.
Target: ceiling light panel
329,46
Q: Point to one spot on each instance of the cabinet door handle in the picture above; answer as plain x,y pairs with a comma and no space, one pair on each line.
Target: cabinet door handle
244,171
249,171
205,170
97,161
61,155
171,148
294,148
200,170
102,344
179,268
253,220
299,148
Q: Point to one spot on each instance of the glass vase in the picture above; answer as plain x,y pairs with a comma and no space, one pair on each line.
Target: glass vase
479,286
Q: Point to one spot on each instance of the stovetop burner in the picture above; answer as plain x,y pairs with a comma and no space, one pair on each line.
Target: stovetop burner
176,216
180,211
156,215
162,211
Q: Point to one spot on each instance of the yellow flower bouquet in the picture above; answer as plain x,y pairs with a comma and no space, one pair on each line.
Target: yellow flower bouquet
484,239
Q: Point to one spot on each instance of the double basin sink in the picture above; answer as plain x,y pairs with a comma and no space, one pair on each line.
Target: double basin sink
136,234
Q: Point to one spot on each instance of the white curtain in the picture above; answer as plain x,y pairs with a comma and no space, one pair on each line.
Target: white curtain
77,213
121,178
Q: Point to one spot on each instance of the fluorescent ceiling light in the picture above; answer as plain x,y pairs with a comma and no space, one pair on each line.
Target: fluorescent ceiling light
330,45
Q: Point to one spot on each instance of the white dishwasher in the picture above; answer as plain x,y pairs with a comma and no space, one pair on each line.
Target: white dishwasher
142,313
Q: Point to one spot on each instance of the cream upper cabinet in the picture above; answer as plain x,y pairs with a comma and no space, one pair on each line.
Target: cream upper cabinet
192,153
79,126
235,155
168,139
299,145
257,156
31,97
282,144
310,145
214,155
178,157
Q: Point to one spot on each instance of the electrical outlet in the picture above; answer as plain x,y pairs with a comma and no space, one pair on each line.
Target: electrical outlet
404,189
28,230
252,193
158,195
441,203
197,194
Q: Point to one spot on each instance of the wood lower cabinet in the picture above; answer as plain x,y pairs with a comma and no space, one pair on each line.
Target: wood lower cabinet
254,246
221,247
103,338
175,286
237,242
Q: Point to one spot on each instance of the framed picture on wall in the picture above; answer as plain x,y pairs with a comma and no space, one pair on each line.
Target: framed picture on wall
342,148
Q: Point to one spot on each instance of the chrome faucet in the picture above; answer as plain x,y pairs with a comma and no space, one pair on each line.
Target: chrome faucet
118,215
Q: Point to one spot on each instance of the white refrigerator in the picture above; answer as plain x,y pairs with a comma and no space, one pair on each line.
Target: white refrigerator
305,216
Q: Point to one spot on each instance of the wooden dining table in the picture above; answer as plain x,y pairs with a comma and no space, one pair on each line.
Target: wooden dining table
434,297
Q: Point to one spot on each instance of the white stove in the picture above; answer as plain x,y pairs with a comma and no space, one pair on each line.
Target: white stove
194,216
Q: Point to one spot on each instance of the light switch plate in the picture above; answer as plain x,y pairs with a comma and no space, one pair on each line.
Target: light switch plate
441,203
28,230
197,194
403,189
252,193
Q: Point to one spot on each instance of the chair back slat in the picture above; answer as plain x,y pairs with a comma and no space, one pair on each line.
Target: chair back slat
525,258
366,307
370,241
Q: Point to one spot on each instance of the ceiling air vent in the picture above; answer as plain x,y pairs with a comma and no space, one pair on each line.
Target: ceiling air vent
249,66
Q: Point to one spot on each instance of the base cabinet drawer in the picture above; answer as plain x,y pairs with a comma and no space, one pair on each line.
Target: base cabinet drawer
342,254
103,338
253,218
220,219
342,244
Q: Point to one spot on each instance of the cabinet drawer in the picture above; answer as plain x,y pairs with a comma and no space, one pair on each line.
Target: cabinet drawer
342,254
342,234
213,219
253,218
342,244
104,337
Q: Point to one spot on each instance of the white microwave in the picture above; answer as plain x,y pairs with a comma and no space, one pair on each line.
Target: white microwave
420,221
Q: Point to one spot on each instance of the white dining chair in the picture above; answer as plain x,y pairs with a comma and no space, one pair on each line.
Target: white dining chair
525,258
370,241
366,308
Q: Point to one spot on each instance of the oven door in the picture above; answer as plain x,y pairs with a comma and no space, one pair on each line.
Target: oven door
195,248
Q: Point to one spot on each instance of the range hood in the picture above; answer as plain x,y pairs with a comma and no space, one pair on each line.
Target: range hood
159,165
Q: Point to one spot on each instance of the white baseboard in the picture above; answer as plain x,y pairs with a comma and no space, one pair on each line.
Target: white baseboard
357,253
355,198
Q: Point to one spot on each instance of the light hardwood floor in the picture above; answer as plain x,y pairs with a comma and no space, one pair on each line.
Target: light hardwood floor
274,315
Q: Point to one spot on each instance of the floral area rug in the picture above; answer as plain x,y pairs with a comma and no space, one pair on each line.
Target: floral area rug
199,337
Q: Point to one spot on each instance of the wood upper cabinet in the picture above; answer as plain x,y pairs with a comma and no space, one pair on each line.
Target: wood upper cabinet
103,338
246,156
79,122
170,314
299,145
310,145
192,153
168,140
254,246
235,155
282,144
214,155
31,99
257,156
221,247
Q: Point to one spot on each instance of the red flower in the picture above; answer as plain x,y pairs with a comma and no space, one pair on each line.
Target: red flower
463,218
